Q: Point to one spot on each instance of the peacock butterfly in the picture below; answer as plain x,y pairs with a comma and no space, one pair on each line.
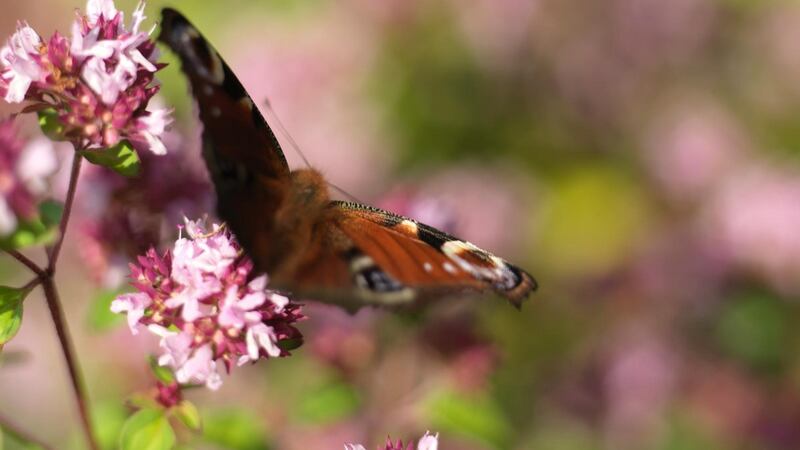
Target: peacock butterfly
335,251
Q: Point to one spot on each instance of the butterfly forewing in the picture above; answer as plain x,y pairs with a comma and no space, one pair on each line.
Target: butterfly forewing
333,251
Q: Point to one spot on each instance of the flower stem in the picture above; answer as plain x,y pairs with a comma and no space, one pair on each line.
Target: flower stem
22,436
62,227
57,312
27,262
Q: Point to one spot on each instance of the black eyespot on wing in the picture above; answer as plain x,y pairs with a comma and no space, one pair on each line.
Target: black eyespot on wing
519,278
367,275
202,52
376,280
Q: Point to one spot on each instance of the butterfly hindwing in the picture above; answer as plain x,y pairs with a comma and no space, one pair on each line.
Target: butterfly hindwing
383,258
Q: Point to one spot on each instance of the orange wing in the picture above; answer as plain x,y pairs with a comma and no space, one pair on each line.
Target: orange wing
368,255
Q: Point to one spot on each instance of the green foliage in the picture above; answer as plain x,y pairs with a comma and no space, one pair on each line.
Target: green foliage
51,125
10,312
108,418
442,105
290,344
477,418
683,434
234,429
163,374
755,328
121,158
99,315
188,414
595,216
41,230
327,403
148,429
560,434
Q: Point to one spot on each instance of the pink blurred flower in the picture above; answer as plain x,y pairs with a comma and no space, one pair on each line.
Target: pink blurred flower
343,341
311,79
496,29
476,204
99,82
754,219
641,377
119,217
24,172
197,298
426,442
691,146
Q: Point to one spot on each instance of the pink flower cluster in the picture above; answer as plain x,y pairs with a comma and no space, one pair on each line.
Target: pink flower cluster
119,217
99,82
24,170
426,442
199,298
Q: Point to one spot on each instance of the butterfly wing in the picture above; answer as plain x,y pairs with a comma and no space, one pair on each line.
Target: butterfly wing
242,154
372,256
338,252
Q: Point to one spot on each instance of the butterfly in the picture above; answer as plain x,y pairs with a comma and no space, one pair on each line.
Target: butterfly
315,247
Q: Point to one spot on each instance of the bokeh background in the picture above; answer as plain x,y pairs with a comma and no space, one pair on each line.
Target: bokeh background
640,157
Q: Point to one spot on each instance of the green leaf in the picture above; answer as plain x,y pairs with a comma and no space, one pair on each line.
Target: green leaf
10,312
328,403
100,317
33,232
234,429
148,429
290,344
121,158
188,414
474,417
50,212
108,418
163,374
51,125
755,328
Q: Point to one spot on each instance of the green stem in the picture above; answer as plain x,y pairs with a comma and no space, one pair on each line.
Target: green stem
17,433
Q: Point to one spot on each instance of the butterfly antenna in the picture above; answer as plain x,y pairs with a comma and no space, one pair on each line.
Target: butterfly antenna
285,132
296,148
345,193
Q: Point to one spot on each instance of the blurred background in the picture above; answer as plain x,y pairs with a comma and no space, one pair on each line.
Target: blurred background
640,157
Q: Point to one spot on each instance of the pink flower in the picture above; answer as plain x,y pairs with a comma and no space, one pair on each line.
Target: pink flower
97,8
24,174
120,218
200,368
197,298
112,53
691,146
754,219
168,395
134,305
238,312
426,442
19,60
99,82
